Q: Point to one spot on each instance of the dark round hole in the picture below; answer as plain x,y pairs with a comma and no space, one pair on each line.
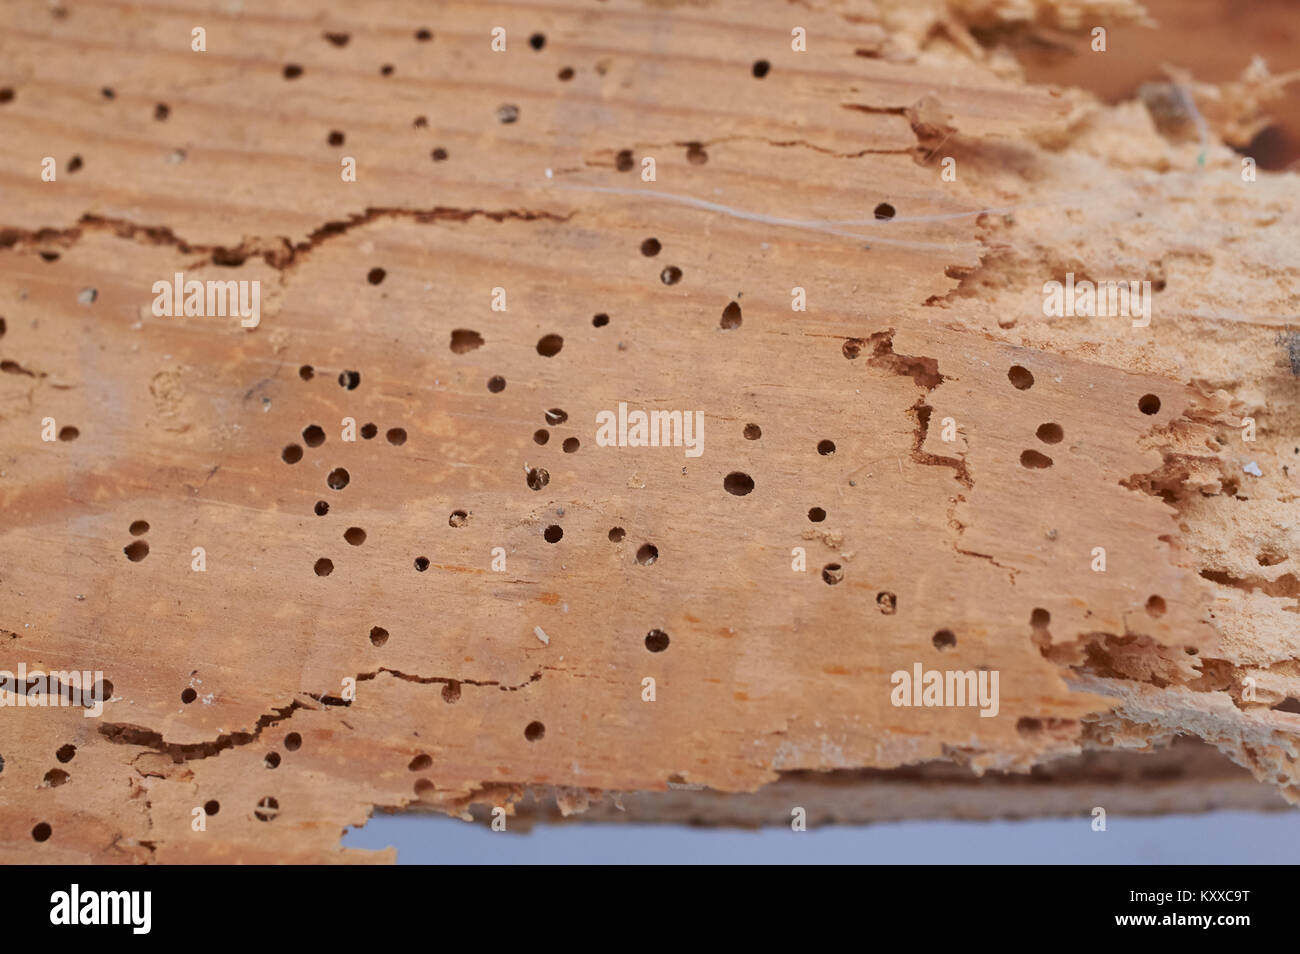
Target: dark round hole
139,528
66,752
944,639
423,35
832,573
616,534
321,508
650,247
671,275
647,553
541,435
324,567
189,695
826,448
458,518
211,806
439,154
313,435
349,379
355,536
1039,618
738,483
335,138
306,372
556,415
816,514
1050,433
421,564
42,832
549,345
565,74
1020,378
267,809
291,454
338,479
396,436
761,68
161,111
69,433
696,155
464,339
386,69
292,71
534,731
272,760
507,113
600,320
451,692
375,276
496,384
624,161
553,534
293,741
368,431
537,41
537,477
753,432
571,445
731,316
884,211
1033,460
1156,606
378,635
1149,404
420,763
136,551
656,640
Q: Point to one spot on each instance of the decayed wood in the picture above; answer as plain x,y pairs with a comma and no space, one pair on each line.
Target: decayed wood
280,705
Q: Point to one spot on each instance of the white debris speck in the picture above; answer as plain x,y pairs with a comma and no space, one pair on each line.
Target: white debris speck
537,631
1253,469
549,174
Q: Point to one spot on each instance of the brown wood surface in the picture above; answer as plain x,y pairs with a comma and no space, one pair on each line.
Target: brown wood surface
219,164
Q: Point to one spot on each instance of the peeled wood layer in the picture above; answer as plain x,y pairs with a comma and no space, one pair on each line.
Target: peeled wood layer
913,318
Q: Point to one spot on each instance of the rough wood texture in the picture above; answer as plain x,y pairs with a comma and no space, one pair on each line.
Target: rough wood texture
223,165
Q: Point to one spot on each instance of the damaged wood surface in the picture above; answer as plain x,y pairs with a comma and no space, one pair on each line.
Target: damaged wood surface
460,610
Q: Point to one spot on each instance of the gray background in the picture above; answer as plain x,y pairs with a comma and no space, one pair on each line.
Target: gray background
1214,838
